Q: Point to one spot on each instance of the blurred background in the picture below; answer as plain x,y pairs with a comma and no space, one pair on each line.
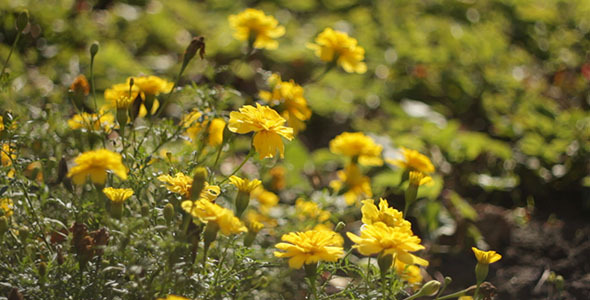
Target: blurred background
496,92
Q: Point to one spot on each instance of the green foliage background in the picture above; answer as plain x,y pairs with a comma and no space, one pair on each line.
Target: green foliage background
495,92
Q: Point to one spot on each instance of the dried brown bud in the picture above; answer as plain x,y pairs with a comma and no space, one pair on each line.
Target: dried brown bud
80,85
15,295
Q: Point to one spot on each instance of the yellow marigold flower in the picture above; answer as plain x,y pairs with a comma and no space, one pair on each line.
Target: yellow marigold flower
6,206
418,178
357,146
151,85
1,123
333,45
95,164
378,237
388,215
181,184
216,128
266,198
252,215
253,24
309,247
118,91
338,240
244,185
7,155
103,120
254,226
289,96
311,210
124,102
409,273
413,160
207,211
486,257
195,122
173,297
357,185
267,125
117,195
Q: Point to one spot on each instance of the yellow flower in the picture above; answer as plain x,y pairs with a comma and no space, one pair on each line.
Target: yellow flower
7,155
104,120
254,25
388,215
418,178
195,122
357,185
181,184
173,297
207,211
118,91
123,102
6,206
338,240
311,210
117,195
267,125
309,247
409,273
254,216
332,45
414,161
357,146
378,237
486,257
266,198
95,164
289,96
465,298
1,123
151,85
244,185
254,226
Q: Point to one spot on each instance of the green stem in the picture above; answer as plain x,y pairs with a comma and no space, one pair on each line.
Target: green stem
456,294
18,34
250,154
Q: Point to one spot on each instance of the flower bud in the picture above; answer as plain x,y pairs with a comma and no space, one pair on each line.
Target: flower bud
169,213
210,234
3,224
199,179
117,210
242,201
23,234
94,49
42,269
384,261
197,44
429,289
481,272
145,210
339,226
22,20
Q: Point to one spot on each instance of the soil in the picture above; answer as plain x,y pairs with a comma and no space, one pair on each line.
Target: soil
531,252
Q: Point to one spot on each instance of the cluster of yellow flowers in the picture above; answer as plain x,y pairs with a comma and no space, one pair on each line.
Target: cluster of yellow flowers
196,123
289,96
386,232
331,46
360,149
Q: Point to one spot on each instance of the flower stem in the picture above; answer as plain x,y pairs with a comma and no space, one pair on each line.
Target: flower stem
250,154
18,34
